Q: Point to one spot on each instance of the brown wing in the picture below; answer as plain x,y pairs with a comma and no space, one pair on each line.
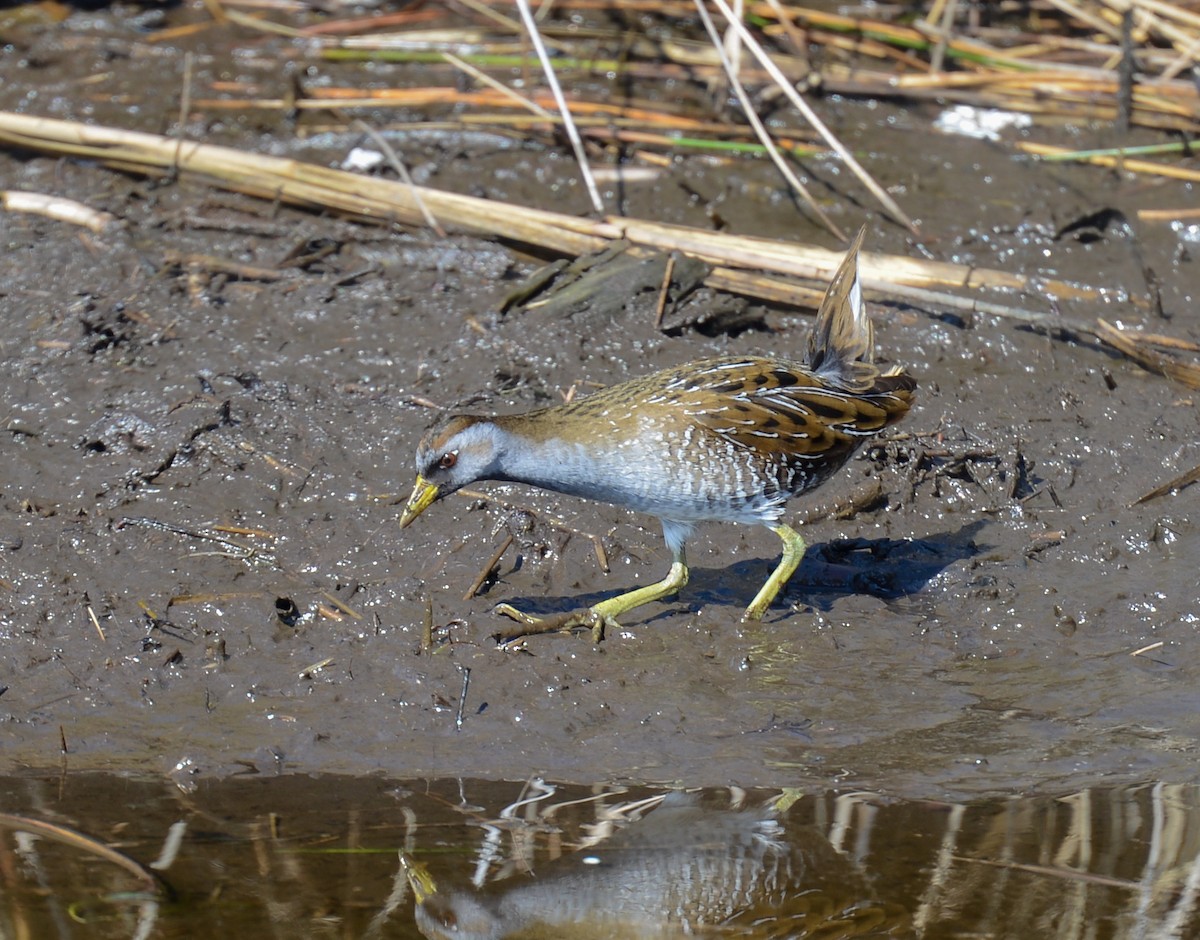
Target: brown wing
785,414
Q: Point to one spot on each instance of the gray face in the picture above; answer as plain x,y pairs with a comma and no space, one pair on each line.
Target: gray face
457,451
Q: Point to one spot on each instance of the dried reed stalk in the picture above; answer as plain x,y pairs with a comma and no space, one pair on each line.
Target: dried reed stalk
735,257
314,186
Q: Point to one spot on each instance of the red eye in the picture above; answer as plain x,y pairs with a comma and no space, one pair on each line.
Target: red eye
448,460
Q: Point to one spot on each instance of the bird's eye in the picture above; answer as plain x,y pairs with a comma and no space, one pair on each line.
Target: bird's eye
448,460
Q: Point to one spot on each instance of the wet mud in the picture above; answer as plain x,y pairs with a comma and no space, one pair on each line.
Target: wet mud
201,572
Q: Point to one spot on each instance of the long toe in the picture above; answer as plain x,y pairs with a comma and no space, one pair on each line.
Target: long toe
507,610
557,623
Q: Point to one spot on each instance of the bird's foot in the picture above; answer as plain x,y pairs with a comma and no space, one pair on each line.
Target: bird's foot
591,618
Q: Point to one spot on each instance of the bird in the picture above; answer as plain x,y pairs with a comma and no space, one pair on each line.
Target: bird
725,439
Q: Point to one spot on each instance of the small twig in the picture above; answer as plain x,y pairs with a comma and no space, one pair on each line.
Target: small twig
487,568
1178,483
216,11
488,13
1167,215
731,47
422,402
427,626
402,172
484,79
462,698
1114,159
797,39
1125,72
56,207
185,105
214,265
303,253
1147,648
343,607
307,672
660,308
601,555
1097,23
1168,342
96,623
1130,344
232,549
938,58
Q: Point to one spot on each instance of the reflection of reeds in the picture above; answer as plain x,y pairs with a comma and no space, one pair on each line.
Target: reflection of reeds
1128,857
33,879
308,856
84,843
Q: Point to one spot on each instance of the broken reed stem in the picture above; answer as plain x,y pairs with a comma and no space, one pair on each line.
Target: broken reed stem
1136,347
1172,485
312,186
387,200
1116,161
486,571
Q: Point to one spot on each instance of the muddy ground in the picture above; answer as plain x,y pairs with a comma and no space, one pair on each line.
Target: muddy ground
201,571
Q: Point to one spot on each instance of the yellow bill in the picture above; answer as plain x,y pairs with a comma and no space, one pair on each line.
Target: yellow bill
423,495
422,883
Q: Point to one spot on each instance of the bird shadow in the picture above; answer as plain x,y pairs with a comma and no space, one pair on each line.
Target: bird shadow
889,569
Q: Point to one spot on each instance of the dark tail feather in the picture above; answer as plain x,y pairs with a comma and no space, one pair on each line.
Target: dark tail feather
841,349
895,391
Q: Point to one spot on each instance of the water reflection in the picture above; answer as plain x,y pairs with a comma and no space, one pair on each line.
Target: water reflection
680,869
105,856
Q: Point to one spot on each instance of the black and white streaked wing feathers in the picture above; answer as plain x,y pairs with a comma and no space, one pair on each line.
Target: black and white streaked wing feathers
782,411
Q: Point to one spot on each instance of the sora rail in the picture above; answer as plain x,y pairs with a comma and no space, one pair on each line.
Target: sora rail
726,439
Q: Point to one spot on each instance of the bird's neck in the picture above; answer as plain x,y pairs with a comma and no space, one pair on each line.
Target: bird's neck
530,450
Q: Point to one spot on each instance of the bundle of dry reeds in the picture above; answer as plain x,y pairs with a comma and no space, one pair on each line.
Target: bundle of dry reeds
1110,60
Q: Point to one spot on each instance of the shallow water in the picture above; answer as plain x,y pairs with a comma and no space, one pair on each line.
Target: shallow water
332,856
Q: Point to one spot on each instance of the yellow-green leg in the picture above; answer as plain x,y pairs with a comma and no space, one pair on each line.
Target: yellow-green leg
612,608
602,615
793,552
